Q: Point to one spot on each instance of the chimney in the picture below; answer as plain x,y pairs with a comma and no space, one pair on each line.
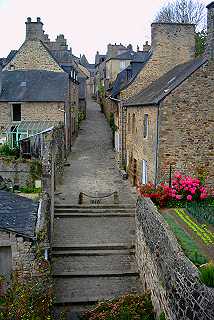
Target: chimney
0,78
210,30
172,44
34,30
146,47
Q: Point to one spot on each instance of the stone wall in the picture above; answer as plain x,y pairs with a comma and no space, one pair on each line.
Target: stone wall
33,56
138,147
21,252
172,44
18,171
166,271
186,125
33,111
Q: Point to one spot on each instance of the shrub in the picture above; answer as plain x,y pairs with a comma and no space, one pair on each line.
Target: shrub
28,298
6,150
207,274
160,195
162,316
184,189
130,306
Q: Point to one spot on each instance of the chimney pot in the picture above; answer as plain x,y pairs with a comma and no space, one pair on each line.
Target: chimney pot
29,19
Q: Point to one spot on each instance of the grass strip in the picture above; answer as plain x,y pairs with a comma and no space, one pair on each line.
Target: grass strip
201,232
188,245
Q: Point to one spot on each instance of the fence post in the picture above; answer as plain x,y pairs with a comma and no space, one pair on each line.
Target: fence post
116,198
81,198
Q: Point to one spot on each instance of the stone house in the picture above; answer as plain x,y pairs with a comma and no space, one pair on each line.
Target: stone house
171,121
18,220
47,92
171,44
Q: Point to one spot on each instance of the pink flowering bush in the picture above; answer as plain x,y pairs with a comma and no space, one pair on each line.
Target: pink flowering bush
184,189
188,188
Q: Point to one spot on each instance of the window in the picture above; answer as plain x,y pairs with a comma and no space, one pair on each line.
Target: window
144,172
145,125
133,123
16,112
129,123
117,141
122,65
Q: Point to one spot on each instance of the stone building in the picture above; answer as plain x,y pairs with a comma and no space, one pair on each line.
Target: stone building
171,44
39,82
171,121
18,218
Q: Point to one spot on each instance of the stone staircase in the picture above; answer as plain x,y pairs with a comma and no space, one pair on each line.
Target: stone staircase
93,255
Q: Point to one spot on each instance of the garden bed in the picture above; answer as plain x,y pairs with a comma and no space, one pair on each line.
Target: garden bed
197,240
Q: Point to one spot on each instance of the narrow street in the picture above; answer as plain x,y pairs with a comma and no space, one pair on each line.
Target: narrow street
93,254
93,169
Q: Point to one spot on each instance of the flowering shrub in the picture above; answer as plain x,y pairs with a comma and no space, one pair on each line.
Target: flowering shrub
29,297
159,195
184,188
130,306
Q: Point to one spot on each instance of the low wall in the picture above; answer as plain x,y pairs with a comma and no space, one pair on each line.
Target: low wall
17,171
166,271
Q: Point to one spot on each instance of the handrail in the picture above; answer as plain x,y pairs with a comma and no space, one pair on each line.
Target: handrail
115,194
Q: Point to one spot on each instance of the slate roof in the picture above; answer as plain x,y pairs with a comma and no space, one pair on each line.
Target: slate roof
127,76
126,55
163,86
34,85
18,214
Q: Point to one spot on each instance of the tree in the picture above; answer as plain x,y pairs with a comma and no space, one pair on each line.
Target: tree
183,11
200,42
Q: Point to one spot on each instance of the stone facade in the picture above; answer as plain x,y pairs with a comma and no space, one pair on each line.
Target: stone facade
186,126
33,56
167,272
18,171
33,111
184,136
137,147
172,44
16,252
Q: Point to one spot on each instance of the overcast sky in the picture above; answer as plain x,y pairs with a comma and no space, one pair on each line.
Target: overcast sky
88,25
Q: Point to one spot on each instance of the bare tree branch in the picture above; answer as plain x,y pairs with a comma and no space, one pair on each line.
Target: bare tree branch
183,11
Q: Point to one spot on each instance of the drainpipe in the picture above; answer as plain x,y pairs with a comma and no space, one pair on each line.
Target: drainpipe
157,145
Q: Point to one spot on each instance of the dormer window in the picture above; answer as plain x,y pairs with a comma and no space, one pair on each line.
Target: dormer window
12,67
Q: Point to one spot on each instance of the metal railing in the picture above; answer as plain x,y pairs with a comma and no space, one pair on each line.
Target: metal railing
97,199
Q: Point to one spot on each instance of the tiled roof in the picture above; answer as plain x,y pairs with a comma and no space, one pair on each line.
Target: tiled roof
18,214
34,85
163,86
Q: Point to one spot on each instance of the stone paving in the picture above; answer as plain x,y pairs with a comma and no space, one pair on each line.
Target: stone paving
93,169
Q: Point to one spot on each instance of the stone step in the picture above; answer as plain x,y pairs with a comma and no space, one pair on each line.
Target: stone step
69,248
93,265
92,252
93,230
75,214
99,206
92,289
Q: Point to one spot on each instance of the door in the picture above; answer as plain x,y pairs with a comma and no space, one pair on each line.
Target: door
144,172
